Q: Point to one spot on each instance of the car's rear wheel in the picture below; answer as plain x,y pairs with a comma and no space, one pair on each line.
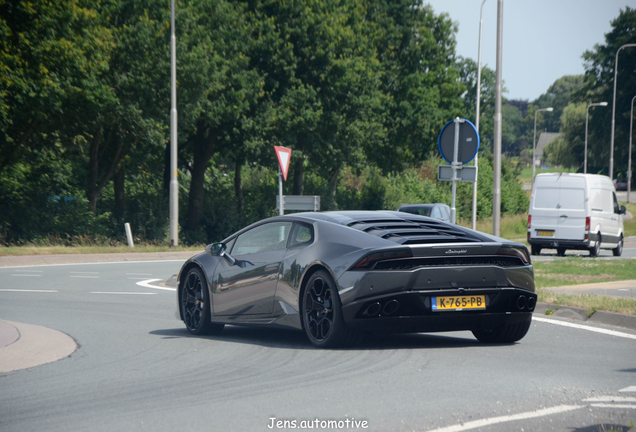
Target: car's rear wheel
618,250
508,333
594,251
561,251
195,304
322,313
536,250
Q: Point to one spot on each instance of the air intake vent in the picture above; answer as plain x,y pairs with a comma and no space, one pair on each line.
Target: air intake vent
413,232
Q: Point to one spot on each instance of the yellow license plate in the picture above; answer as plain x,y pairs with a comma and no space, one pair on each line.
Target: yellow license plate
545,233
459,303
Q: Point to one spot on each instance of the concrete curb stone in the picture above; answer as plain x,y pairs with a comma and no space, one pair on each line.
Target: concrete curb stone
580,314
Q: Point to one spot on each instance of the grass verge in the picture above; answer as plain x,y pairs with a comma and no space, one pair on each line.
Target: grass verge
590,302
576,271
67,250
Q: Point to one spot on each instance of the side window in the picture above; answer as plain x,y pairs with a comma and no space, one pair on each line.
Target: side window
436,213
446,213
617,208
301,234
263,238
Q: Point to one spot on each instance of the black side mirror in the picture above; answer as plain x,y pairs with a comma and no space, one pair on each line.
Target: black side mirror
623,210
215,249
219,249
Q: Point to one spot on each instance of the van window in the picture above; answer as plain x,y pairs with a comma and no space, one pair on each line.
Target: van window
572,199
546,198
563,199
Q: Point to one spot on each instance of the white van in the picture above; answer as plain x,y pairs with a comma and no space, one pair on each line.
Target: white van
575,211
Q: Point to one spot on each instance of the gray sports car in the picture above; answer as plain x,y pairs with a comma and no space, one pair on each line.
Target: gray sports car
335,275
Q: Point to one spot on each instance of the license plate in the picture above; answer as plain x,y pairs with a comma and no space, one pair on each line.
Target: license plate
459,303
545,233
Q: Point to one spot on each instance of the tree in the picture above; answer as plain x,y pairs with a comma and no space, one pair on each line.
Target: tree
599,84
558,96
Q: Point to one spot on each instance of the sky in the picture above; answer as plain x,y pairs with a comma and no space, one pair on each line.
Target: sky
543,40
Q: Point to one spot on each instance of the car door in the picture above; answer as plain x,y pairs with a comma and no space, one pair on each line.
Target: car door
248,287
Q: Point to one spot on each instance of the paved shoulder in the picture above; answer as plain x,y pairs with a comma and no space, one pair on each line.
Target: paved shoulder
35,260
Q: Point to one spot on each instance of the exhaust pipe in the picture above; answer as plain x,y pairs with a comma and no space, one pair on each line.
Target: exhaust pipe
373,309
531,303
390,307
521,302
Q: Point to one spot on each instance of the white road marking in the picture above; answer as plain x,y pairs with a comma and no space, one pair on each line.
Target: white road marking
139,274
85,277
611,399
22,290
126,293
31,275
616,406
147,284
93,263
584,327
628,389
504,419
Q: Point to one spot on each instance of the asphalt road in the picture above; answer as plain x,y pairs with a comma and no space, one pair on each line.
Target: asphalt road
137,368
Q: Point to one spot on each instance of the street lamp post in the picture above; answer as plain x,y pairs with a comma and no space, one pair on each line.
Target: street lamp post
481,21
587,112
611,166
629,161
534,142
174,185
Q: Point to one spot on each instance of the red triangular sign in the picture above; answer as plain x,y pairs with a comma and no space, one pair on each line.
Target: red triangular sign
284,156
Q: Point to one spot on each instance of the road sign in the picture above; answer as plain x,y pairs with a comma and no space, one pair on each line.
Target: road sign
284,156
468,141
300,202
464,173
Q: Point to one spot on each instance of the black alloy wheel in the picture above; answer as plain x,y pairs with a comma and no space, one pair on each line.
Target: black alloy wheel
594,251
195,304
322,314
536,250
506,334
561,252
618,250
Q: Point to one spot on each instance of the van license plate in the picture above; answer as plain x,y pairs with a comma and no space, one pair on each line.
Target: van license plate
459,303
545,233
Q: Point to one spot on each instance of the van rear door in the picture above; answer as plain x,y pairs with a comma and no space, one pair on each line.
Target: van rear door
559,208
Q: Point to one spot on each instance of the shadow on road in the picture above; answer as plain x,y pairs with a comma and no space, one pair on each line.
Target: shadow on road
291,339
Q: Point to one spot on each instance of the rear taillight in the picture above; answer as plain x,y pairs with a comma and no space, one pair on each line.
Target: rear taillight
529,221
369,261
587,224
513,251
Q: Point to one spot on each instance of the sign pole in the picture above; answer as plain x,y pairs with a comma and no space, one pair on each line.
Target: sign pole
454,165
280,192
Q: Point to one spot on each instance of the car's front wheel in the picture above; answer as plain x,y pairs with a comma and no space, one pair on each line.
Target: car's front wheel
195,304
508,333
594,251
322,313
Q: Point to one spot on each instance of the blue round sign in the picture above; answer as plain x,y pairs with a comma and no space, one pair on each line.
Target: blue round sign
468,141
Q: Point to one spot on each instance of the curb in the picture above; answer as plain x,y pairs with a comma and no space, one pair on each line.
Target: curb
580,314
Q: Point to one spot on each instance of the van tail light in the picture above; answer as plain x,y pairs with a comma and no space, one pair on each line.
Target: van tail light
529,221
587,228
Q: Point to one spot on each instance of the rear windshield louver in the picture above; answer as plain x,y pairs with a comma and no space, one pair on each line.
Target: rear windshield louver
413,232
477,261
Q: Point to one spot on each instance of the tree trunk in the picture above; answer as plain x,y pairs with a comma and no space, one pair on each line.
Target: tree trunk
120,194
299,168
93,167
333,187
204,149
238,186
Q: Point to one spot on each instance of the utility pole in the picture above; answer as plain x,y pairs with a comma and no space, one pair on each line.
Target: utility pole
174,184
496,177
